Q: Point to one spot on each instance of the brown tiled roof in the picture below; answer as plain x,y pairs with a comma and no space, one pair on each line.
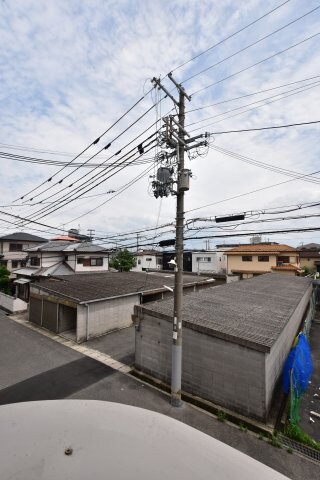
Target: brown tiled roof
310,254
288,267
260,272
261,250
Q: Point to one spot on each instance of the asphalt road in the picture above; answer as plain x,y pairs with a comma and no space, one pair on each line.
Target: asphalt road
34,367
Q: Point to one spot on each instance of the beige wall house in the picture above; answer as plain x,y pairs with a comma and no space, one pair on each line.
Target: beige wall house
251,260
310,256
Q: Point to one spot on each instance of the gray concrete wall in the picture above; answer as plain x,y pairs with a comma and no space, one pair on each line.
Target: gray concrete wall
276,358
105,316
222,372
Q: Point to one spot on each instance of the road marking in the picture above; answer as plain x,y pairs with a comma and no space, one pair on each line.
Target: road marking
88,352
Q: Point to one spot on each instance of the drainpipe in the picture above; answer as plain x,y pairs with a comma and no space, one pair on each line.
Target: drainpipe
87,322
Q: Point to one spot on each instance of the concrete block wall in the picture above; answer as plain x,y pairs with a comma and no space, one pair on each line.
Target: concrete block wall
276,358
225,373
105,316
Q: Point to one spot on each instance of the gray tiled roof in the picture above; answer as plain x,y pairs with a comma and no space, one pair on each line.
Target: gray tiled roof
251,312
86,286
65,246
22,237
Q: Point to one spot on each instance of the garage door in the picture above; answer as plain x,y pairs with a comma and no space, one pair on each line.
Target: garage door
49,315
35,310
67,318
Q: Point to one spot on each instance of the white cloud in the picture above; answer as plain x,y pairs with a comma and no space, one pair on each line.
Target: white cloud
70,69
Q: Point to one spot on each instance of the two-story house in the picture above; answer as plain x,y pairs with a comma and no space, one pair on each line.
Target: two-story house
62,256
248,261
13,248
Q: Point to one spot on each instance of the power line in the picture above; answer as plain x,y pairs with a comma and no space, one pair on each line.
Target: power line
264,165
255,64
91,144
299,89
303,89
115,164
121,190
251,45
232,225
252,191
250,233
44,212
230,36
250,94
42,161
266,128
93,156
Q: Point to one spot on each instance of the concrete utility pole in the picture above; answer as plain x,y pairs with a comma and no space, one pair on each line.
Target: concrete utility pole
182,180
178,290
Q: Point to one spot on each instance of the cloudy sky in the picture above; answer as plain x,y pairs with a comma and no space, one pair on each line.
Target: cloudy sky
71,70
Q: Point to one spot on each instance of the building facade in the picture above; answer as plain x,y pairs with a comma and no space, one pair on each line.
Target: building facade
146,260
13,249
248,261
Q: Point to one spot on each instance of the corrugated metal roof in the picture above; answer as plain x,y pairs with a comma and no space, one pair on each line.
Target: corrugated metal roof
91,286
249,312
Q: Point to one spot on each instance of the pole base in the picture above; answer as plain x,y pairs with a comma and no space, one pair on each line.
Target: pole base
176,402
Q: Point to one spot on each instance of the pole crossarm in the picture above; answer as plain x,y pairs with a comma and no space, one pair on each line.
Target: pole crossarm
161,87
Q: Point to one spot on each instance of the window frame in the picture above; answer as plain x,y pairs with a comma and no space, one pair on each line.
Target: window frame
247,258
13,247
263,258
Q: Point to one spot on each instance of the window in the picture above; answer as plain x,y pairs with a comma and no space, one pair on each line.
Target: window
283,259
14,263
149,259
3,263
96,262
263,258
247,258
90,262
159,261
35,261
203,259
139,262
15,247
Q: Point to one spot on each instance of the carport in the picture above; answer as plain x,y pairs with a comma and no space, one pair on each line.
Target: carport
54,314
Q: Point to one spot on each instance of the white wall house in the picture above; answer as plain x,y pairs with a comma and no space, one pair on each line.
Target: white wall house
213,261
146,260
60,257
13,248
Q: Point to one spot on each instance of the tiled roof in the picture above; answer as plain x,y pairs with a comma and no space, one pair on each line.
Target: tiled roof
84,287
66,246
261,250
23,237
250,312
288,267
310,254
65,238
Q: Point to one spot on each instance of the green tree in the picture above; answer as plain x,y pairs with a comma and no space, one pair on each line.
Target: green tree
123,261
4,279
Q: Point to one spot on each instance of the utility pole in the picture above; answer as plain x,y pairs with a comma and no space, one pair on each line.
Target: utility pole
177,140
91,233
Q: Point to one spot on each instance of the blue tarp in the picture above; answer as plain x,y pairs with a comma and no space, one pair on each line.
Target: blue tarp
300,362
